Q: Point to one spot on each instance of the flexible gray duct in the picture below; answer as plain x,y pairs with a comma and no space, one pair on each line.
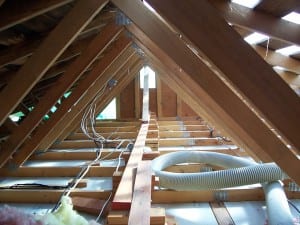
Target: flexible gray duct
241,172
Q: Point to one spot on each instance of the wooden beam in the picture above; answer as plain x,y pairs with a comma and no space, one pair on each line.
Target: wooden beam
200,81
137,104
258,21
42,196
265,91
123,197
71,103
16,11
94,171
131,73
185,90
277,59
146,97
96,47
288,77
230,195
141,199
76,155
280,8
54,45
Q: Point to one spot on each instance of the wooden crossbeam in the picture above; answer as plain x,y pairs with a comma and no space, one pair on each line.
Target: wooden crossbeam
64,111
53,46
94,171
43,196
258,21
123,197
141,199
230,195
15,11
277,103
96,47
211,89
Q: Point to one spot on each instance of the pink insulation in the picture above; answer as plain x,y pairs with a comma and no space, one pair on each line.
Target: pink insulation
13,216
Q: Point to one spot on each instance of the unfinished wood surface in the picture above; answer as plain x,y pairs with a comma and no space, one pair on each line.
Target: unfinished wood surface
46,196
279,8
166,99
123,197
277,59
94,171
137,104
258,138
232,195
76,69
200,103
77,155
258,21
129,75
141,199
63,34
273,99
63,113
127,102
10,14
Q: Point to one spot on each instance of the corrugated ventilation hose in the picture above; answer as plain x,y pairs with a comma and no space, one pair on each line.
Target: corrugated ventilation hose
238,172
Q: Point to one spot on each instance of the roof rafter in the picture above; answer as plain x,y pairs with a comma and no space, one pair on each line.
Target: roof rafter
266,92
96,47
208,84
53,46
258,21
17,11
74,103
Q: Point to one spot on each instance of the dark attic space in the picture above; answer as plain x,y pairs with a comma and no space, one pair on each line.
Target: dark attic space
149,112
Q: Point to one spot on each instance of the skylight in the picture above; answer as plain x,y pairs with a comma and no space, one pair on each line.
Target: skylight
255,38
290,50
292,17
247,3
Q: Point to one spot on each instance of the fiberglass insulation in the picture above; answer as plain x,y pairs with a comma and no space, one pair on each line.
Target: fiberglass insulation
65,215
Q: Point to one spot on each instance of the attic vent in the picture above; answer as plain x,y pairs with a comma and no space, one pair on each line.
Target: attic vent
151,74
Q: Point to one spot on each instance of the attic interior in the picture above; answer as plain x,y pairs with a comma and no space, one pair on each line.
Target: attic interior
149,112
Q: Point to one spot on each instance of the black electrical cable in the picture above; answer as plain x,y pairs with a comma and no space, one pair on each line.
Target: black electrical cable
294,206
